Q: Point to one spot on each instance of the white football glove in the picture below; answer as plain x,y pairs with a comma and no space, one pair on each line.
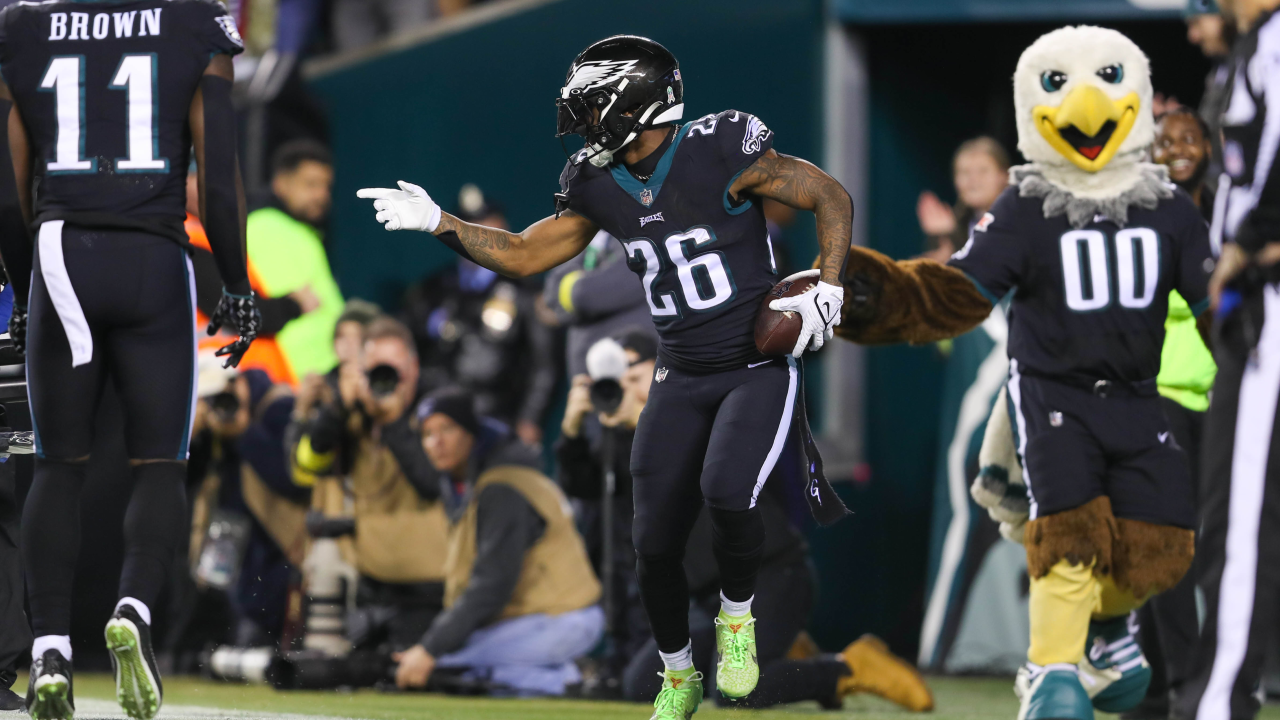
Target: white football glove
409,208
819,309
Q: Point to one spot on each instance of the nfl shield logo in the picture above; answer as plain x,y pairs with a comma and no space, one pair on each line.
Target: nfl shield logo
661,374
646,197
1055,418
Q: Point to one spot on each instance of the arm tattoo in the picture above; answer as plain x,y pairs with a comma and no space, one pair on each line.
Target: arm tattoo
486,245
800,184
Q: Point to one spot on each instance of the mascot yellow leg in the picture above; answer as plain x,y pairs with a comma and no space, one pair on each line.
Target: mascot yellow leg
1089,571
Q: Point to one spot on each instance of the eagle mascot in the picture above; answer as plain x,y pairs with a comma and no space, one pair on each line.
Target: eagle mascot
1083,100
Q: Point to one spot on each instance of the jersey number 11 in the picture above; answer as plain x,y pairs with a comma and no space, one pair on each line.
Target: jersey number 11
136,75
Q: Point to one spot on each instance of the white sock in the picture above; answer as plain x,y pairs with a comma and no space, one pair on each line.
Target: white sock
680,660
735,609
61,643
143,611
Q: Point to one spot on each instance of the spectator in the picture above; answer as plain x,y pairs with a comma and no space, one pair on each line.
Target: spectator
1183,146
287,253
265,353
238,459
1214,35
481,332
595,296
364,431
520,593
580,458
981,172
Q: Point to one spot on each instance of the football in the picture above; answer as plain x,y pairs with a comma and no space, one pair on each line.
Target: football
777,331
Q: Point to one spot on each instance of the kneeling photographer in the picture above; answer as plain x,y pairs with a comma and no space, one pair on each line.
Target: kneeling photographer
360,444
248,516
519,590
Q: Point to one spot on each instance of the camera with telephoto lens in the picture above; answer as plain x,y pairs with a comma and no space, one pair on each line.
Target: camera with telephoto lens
225,405
383,380
607,362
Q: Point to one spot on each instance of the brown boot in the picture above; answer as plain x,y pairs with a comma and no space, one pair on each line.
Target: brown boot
873,669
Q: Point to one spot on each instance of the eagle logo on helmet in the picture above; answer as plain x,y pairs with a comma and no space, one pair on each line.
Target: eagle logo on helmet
597,73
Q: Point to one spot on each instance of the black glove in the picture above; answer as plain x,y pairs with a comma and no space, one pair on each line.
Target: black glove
18,328
241,314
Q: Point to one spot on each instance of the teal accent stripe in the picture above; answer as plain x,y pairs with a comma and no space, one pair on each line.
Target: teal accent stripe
634,187
185,448
1200,307
745,206
985,292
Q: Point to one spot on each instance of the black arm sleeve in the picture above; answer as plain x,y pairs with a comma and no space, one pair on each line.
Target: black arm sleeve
15,238
454,243
221,207
506,527
406,447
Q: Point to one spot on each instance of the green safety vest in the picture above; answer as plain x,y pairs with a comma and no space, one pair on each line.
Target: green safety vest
1186,365
288,255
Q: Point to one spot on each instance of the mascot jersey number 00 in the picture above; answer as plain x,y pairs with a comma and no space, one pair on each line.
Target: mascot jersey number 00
1089,239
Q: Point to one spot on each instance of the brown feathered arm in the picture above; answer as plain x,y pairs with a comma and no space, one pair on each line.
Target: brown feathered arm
911,301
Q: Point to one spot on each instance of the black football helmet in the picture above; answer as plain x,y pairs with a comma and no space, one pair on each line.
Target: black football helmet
632,81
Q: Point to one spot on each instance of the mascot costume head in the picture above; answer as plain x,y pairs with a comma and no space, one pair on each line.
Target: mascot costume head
1083,99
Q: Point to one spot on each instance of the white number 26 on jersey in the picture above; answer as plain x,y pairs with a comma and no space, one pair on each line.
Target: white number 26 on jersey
1088,278
705,282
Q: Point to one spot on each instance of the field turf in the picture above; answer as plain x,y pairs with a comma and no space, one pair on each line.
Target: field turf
957,699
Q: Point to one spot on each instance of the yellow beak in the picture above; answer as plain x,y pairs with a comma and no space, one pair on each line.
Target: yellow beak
1088,109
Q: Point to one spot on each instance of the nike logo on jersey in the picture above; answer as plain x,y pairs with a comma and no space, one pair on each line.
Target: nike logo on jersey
656,217
1163,437
756,365
76,25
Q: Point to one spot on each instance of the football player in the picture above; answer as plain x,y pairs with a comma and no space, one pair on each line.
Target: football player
685,202
104,101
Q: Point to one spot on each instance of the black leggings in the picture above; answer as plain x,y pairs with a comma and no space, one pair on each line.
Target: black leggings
710,438
130,294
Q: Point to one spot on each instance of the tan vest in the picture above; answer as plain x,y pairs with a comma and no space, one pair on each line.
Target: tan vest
283,519
556,577
400,538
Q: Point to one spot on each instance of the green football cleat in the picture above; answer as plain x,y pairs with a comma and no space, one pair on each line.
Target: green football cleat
737,670
138,688
1114,671
681,694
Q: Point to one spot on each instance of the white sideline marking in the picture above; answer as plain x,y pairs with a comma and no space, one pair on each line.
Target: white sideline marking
94,709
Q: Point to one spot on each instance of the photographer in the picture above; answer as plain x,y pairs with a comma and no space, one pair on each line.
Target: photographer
628,362
519,589
397,524
248,519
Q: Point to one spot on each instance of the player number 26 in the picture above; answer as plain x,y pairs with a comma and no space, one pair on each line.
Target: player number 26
1088,277
705,282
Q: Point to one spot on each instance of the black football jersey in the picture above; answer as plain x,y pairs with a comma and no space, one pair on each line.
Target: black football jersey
705,261
104,90
1089,303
